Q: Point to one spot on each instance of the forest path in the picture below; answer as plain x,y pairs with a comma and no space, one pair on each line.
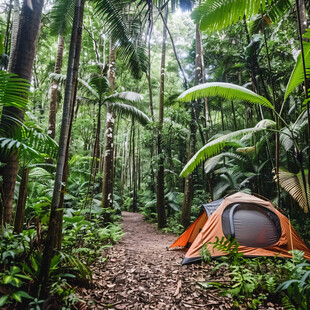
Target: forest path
141,274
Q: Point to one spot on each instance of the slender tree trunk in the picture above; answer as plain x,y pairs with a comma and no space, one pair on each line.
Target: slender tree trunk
161,212
54,89
134,168
108,167
22,63
14,32
51,234
95,157
59,212
8,23
21,203
234,114
189,184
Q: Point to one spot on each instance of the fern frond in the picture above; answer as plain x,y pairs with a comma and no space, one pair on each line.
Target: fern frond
224,90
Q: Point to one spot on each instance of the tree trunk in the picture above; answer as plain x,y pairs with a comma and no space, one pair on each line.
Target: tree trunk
54,89
8,23
189,184
14,32
21,203
22,63
108,167
161,212
51,234
134,168
59,212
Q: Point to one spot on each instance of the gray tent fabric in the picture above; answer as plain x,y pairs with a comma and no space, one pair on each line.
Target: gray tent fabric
252,225
212,206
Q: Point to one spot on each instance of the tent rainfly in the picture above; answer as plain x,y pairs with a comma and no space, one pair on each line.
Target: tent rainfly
259,228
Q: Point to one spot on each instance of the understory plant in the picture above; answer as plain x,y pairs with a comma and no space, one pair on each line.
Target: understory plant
254,280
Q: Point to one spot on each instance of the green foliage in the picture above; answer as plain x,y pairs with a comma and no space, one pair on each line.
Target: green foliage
297,287
13,91
252,280
216,146
297,76
225,90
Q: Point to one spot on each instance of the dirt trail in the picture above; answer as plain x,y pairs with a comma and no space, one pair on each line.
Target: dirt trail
141,274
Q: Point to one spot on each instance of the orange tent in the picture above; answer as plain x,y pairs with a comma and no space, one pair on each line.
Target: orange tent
259,228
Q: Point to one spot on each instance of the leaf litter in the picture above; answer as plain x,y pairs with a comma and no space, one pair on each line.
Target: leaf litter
140,273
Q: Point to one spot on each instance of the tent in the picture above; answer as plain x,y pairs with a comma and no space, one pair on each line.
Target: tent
259,228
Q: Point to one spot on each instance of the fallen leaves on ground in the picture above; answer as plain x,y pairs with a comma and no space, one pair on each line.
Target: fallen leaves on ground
141,273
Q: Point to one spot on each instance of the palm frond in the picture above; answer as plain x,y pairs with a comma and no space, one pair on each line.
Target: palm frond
129,110
214,147
29,140
278,8
131,49
13,90
62,16
297,76
224,90
215,15
293,184
129,96
218,14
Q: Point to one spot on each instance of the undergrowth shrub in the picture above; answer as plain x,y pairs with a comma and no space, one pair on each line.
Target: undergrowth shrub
254,280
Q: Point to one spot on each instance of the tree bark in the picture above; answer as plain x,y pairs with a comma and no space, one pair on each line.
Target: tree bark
21,203
51,234
22,63
108,167
161,212
189,184
14,32
8,23
54,89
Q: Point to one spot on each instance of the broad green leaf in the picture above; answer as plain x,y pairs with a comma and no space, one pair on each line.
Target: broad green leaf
224,90
297,76
215,147
3,300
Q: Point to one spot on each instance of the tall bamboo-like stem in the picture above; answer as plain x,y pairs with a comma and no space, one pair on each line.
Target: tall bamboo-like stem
51,234
161,212
275,103
134,167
